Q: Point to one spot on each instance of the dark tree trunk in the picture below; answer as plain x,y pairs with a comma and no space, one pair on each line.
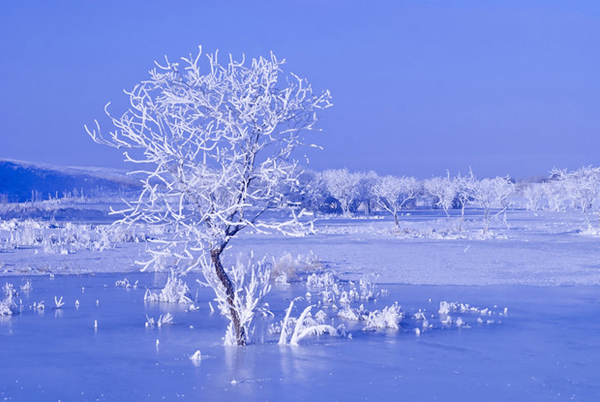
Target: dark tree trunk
240,333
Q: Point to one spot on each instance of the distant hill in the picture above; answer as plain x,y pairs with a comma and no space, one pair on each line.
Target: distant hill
24,181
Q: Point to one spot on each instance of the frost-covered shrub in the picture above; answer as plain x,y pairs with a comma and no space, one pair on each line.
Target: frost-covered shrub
451,307
250,279
304,326
446,308
353,314
366,291
389,317
124,283
321,316
8,306
9,290
332,291
166,319
175,291
320,281
27,286
287,267
196,357
65,238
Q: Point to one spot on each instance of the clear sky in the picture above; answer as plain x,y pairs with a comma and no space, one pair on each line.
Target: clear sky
506,87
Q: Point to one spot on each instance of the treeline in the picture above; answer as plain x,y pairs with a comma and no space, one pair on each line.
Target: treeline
340,191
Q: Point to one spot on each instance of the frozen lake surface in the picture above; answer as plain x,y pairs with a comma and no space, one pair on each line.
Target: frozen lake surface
546,348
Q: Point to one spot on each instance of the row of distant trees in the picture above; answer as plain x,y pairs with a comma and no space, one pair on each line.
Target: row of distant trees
344,192
566,190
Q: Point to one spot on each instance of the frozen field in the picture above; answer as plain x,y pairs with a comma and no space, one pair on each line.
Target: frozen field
542,268
537,248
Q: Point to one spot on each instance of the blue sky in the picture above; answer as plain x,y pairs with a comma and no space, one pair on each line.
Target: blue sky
504,87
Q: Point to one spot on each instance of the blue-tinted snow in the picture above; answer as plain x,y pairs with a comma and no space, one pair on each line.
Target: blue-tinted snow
537,248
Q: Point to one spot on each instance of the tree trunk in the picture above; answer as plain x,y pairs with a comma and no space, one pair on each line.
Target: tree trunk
240,333
486,221
462,217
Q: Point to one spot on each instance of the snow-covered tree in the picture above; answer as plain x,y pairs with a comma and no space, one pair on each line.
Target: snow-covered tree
464,186
535,195
443,190
581,187
343,186
393,193
219,145
364,190
311,192
491,194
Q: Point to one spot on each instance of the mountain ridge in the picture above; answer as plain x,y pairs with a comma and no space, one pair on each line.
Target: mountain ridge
23,181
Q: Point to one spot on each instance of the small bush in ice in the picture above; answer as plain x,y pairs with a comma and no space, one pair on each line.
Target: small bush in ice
447,320
175,291
250,280
452,307
9,290
321,316
65,238
366,291
353,314
455,307
196,357
58,303
124,283
321,281
335,291
166,319
27,286
420,315
8,306
304,326
286,268
389,317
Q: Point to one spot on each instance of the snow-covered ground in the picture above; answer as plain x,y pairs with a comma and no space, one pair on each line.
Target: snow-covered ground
537,248
529,332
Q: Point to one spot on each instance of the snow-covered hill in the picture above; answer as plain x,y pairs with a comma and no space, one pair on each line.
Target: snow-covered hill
25,181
